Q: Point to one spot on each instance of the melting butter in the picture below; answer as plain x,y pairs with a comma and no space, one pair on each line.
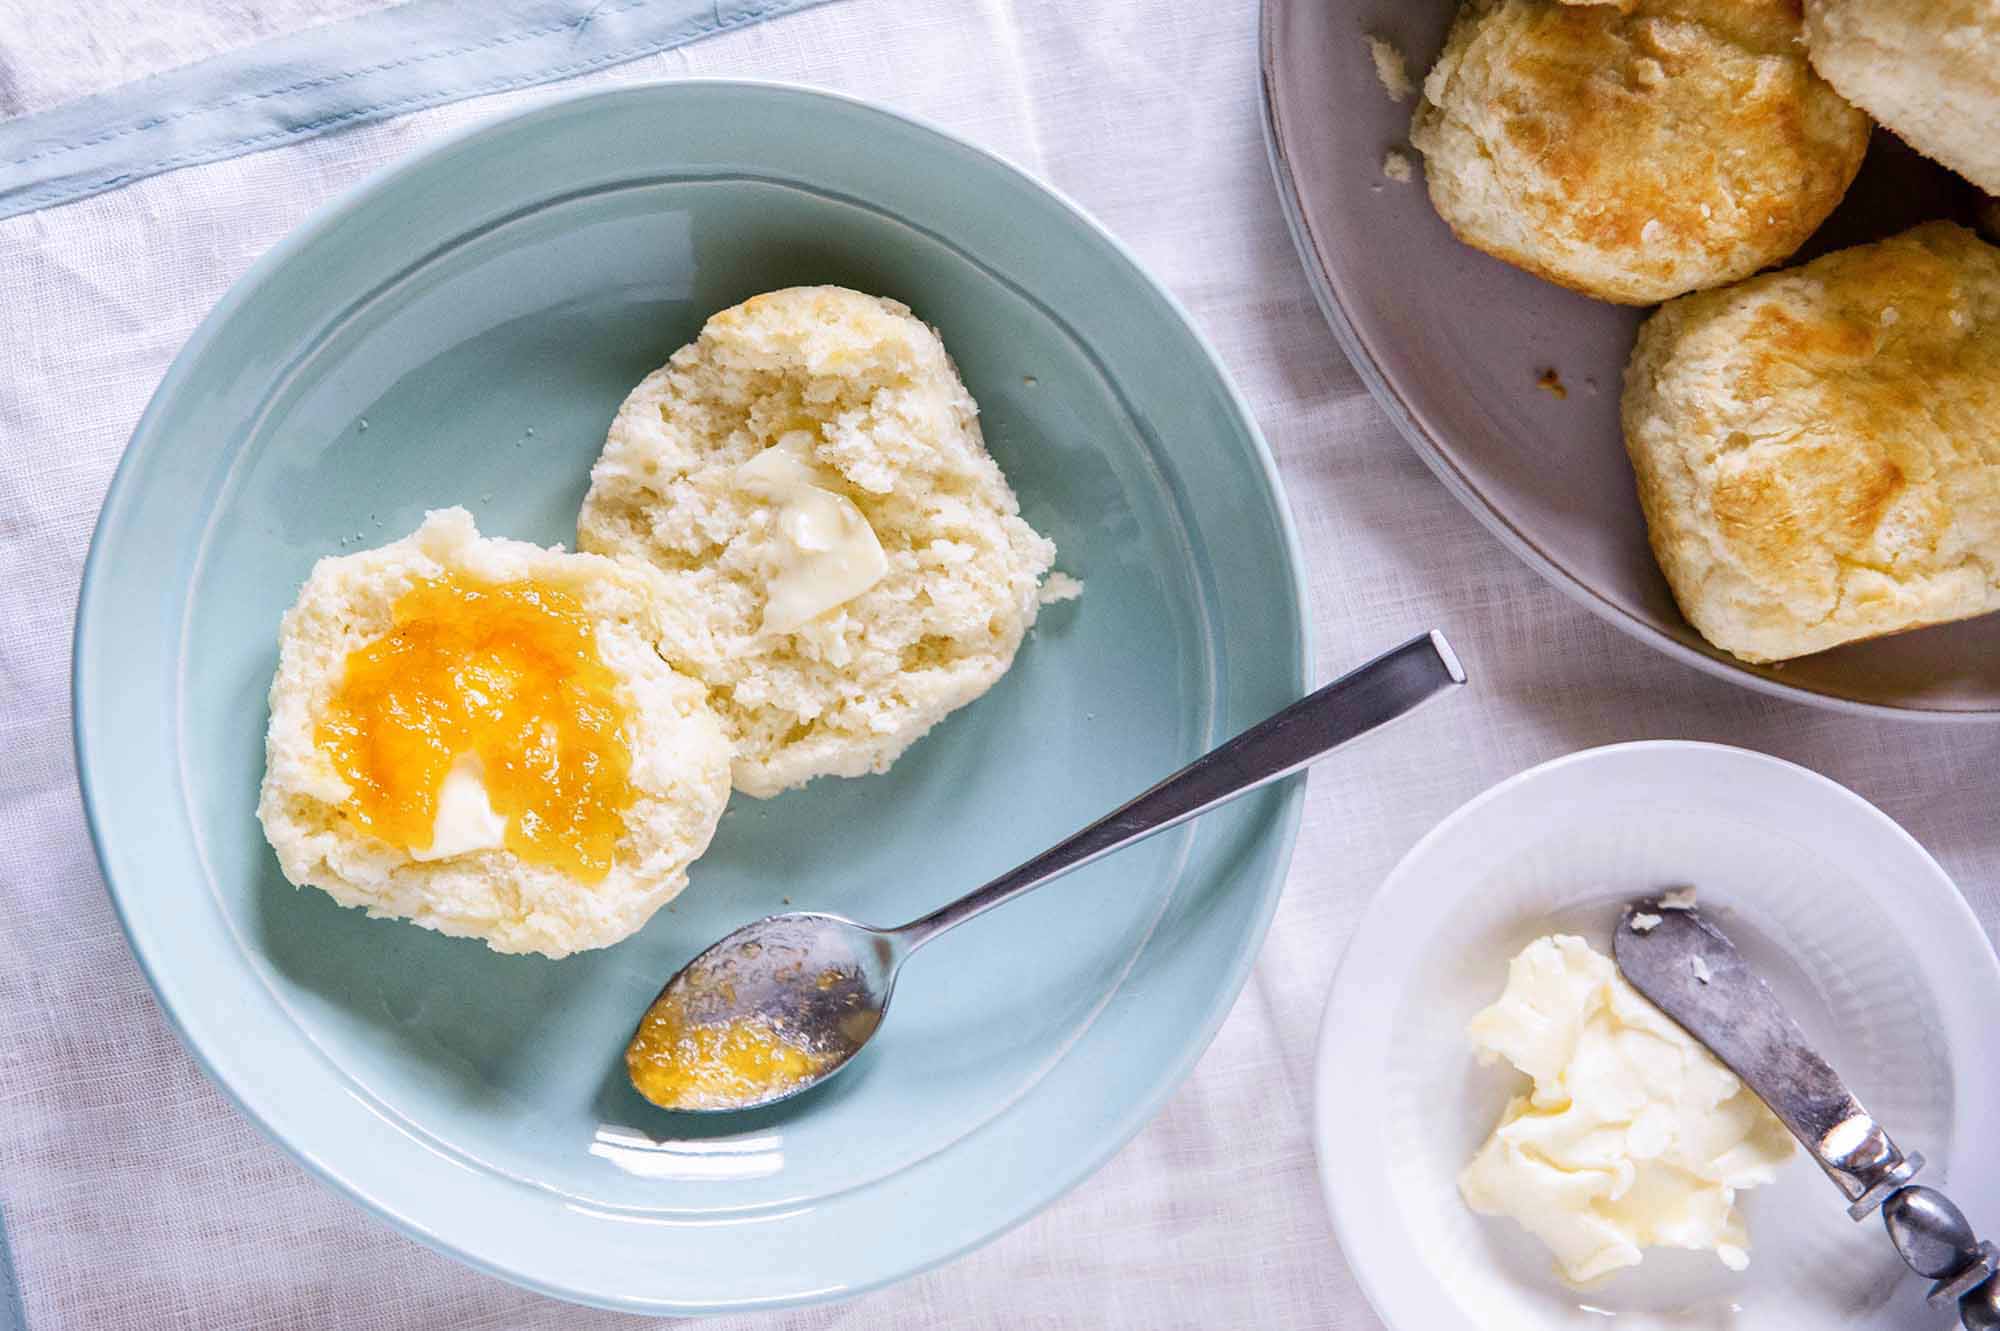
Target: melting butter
465,818
822,552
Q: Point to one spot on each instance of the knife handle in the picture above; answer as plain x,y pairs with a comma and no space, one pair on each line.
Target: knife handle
1936,1241
1980,1310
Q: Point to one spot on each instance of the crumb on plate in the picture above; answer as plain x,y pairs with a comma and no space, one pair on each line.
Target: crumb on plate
1391,68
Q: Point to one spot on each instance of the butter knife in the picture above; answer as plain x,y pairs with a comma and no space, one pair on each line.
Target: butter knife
1694,974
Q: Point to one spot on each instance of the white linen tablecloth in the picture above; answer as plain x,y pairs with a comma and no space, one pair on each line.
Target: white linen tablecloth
137,1198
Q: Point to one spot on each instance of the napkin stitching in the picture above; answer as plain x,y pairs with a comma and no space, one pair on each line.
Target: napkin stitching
68,189
327,80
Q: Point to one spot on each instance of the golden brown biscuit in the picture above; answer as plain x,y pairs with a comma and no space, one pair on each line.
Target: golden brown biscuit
1928,69
1635,151
1818,450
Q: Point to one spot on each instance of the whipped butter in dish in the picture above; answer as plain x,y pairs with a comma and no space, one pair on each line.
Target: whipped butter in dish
1633,1135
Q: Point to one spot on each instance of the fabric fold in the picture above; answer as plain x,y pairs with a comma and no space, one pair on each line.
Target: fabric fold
335,76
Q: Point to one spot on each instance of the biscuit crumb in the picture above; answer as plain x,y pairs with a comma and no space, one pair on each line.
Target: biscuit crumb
1681,898
1550,382
1699,966
1396,166
1059,587
1644,922
1391,68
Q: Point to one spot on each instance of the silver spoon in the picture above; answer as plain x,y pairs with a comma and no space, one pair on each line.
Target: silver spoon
782,1004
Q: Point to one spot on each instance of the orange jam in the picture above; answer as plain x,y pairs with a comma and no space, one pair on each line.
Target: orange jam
508,672
679,1064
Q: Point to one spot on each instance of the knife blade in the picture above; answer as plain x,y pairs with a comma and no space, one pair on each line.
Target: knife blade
1694,974
1690,970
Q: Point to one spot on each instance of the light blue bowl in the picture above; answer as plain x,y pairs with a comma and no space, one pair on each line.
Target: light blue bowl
460,330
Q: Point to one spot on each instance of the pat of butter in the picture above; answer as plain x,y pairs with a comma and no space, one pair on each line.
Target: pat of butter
822,552
1634,1135
465,819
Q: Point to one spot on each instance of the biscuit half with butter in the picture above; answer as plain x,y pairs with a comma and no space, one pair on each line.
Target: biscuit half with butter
1634,151
847,564
1818,450
480,736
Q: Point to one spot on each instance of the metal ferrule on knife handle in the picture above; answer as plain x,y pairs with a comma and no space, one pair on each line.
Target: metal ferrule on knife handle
1694,974
1858,1155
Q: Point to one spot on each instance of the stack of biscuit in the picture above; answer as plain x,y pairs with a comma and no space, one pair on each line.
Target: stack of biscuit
1817,449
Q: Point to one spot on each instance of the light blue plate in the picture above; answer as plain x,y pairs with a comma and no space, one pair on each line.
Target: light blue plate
460,331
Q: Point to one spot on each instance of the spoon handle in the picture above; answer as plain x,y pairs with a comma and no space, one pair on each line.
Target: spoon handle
1302,733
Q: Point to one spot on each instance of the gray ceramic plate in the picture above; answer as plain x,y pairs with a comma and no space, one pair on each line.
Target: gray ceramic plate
1452,342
